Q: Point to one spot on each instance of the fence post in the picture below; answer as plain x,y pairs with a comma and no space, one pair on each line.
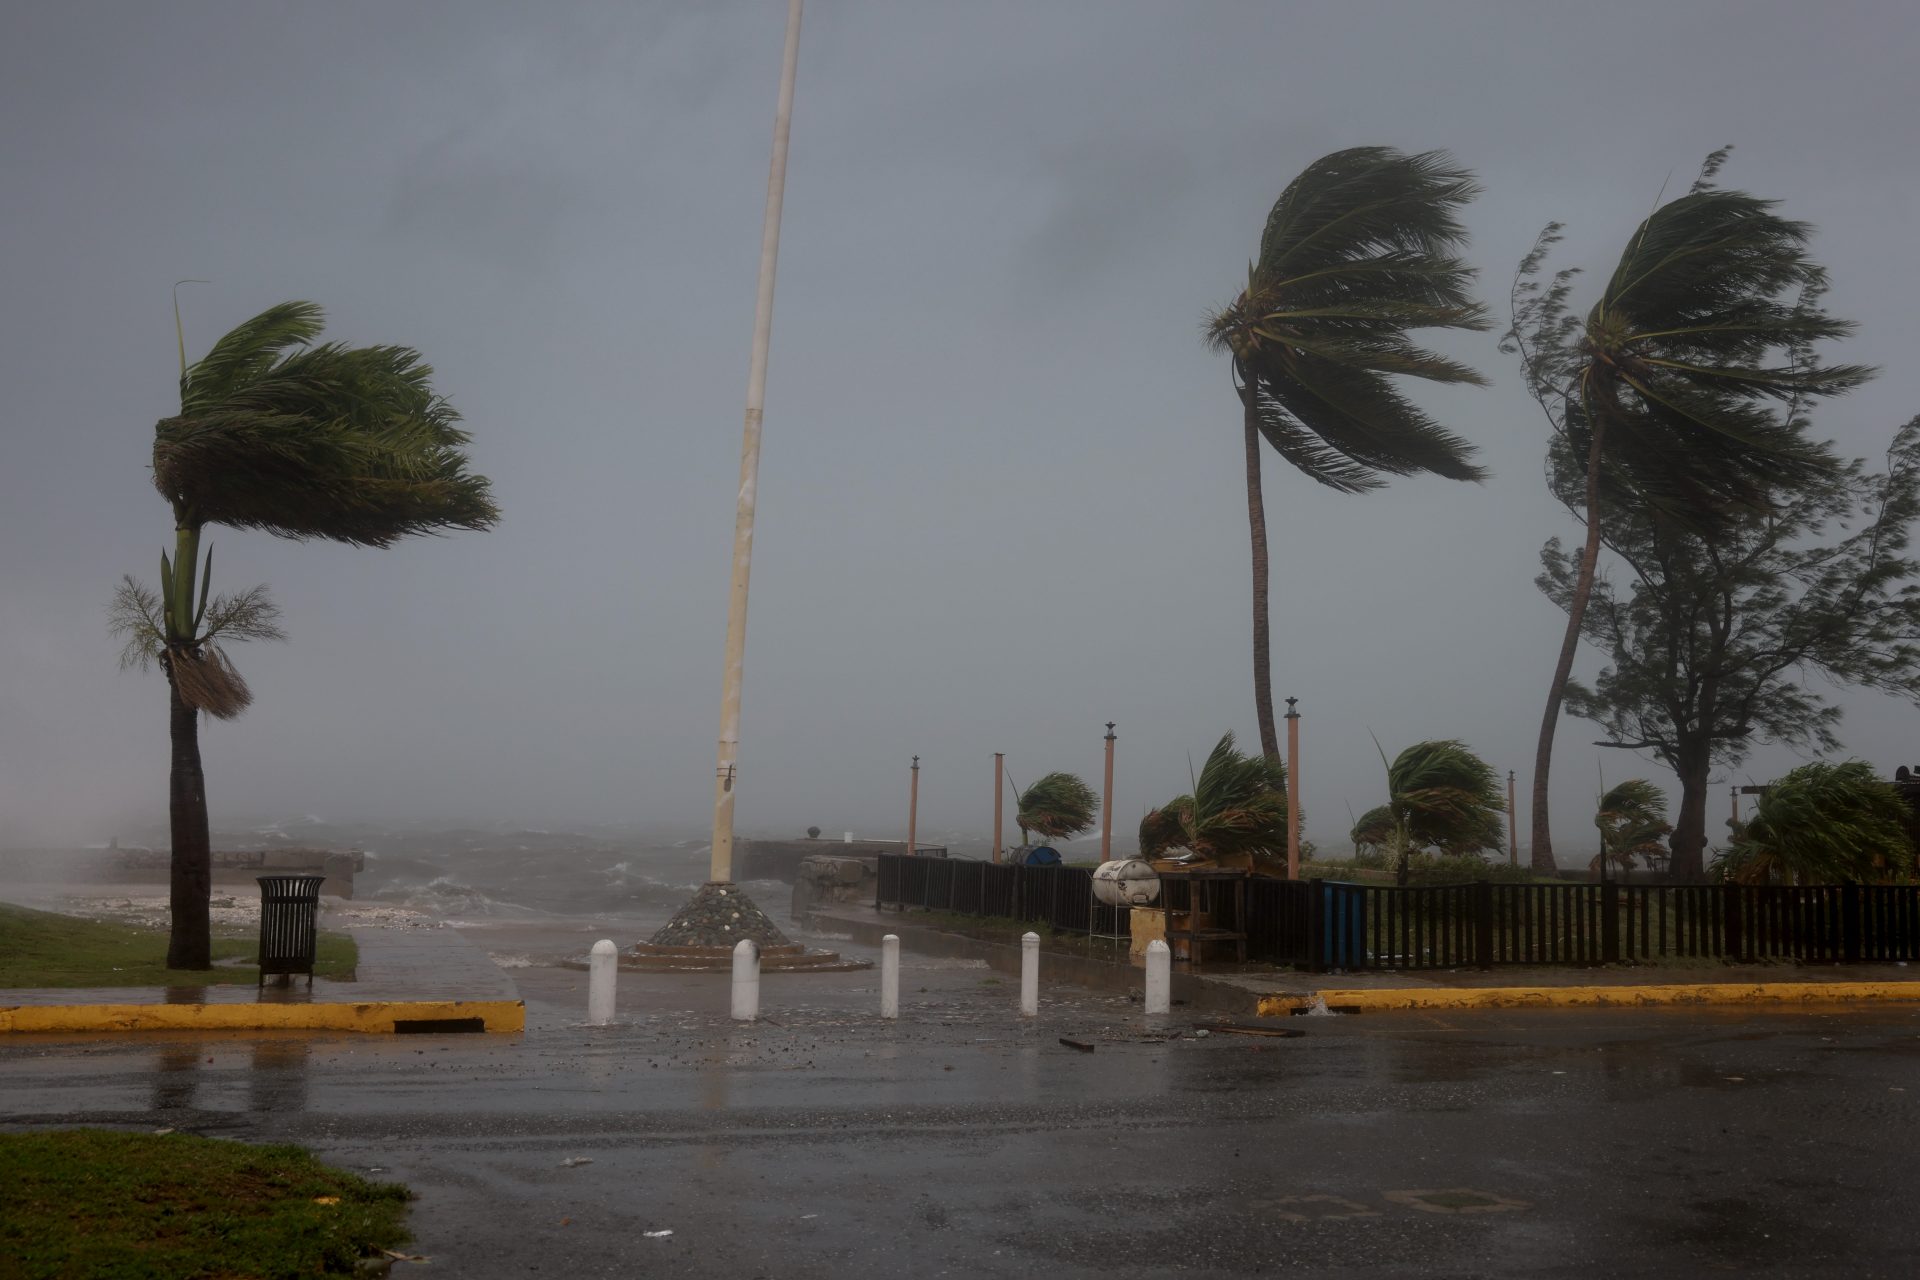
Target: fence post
746,980
1609,921
603,963
1029,973
1316,957
1483,923
1850,923
890,976
1732,944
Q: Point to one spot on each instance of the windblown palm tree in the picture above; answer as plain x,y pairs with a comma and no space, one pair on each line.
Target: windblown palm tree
1238,807
1440,795
1633,824
1358,251
1058,807
1682,389
347,444
1823,824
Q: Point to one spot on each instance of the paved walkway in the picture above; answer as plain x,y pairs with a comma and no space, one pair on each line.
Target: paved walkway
401,976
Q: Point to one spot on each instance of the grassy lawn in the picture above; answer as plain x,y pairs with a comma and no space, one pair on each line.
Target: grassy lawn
45,949
89,1202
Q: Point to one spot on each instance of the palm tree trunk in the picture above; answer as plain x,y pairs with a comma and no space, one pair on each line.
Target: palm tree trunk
1542,851
189,944
1257,531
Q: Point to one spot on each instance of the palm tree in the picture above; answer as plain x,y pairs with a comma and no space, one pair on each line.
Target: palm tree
347,444
1633,824
1238,808
1058,806
1358,251
1439,795
1683,387
1823,824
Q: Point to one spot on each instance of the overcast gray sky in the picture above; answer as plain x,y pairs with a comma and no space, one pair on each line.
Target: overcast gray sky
1001,491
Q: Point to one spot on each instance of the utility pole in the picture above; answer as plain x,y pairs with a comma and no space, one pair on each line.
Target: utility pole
1513,824
727,764
1106,804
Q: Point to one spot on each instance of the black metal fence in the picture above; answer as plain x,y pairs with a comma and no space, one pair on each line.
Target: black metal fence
1330,925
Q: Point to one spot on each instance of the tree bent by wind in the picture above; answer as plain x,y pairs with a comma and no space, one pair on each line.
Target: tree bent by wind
1359,250
1681,387
307,441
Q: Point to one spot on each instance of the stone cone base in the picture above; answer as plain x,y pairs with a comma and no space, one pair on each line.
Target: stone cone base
718,915
703,934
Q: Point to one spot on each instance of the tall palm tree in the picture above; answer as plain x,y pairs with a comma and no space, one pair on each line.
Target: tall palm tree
305,441
1683,388
1358,251
1238,808
1439,794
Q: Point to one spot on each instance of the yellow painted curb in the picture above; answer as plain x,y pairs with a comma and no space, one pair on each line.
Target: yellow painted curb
1594,997
378,1016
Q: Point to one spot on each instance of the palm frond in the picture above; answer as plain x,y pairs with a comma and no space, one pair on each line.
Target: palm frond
1238,808
208,681
243,615
134,618
1823,823
1358,251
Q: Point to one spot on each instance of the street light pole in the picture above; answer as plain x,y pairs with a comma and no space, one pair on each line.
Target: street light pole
727,764
1293,791
913,811
999,766
1106,804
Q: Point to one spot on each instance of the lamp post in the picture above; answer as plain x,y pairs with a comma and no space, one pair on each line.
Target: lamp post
999,764
1293,790
1106,803
913,811
1513,824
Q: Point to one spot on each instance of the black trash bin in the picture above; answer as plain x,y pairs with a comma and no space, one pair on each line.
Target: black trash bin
289,924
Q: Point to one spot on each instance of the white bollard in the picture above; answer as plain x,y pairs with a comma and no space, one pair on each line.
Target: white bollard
1159,978
603,965
746,980
1030,974
890,976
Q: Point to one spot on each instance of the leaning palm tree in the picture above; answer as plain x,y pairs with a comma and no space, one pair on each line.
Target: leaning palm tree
1237,808
1682,390
1358,251
306,441
1633,824
1823,824
1440,795
1059,806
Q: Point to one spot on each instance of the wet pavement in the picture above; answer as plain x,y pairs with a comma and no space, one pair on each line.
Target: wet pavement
963,1141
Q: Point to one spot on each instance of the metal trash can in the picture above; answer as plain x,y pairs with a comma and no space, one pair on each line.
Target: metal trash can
289,924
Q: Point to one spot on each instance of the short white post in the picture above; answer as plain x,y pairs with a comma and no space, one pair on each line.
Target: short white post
746,980
1030,974
603,965
890,976
1159,978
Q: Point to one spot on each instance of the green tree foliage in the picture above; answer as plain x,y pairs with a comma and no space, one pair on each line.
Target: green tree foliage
1823,824
1238,807
1441,797
307,441
1714,639
1057,807
1681,388
1632,818
1359,251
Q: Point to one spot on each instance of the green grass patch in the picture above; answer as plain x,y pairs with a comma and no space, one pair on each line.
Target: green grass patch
46,949
114,1206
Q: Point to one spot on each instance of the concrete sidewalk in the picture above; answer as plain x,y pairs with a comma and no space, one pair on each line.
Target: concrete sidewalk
405,980
1273,991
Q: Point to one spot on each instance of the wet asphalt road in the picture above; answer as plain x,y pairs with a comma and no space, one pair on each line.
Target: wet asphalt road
961,1142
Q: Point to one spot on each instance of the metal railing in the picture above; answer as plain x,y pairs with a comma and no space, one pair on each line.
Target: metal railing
1323,924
